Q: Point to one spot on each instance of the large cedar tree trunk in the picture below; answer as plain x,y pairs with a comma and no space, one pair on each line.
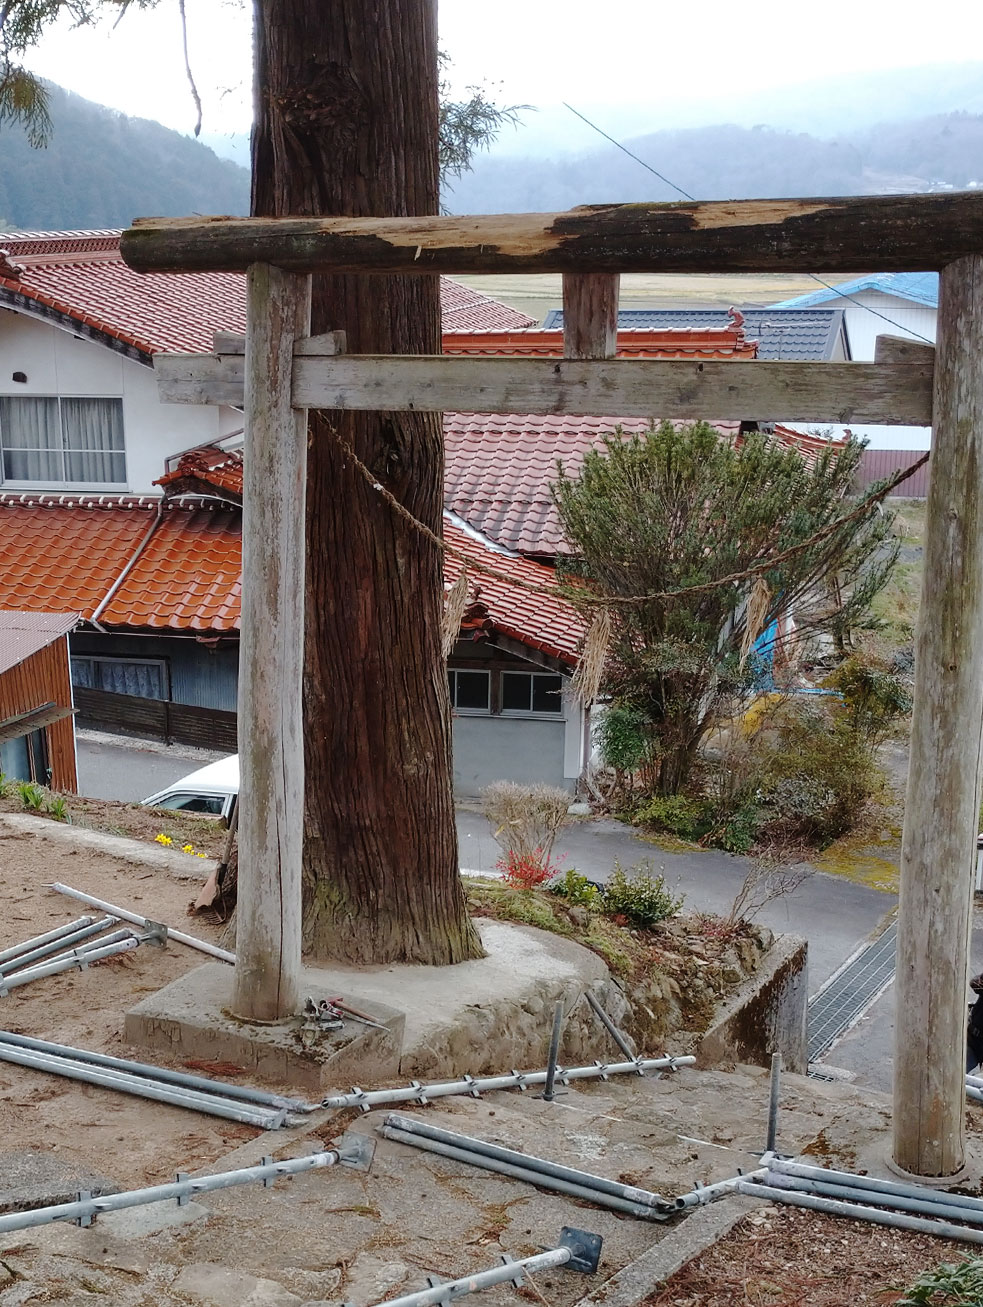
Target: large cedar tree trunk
346,123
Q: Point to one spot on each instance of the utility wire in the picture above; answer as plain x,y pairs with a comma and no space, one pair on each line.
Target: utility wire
842,294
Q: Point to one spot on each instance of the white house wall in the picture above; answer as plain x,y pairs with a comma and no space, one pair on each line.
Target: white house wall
906,319
57,362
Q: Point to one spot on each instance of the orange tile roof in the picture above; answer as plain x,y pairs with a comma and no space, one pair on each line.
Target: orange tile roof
189,577
80,276
66,552
641,343
61,553
207,470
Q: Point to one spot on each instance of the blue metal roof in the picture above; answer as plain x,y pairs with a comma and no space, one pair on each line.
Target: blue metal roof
799,335
920,287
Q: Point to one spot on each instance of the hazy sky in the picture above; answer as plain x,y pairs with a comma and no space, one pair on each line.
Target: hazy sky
625,53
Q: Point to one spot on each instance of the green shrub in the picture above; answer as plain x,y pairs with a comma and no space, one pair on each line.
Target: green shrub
947,1285
641,898
5,785
622,738
32,795
676,813
577,890
57,807
873,697
738,832
820,773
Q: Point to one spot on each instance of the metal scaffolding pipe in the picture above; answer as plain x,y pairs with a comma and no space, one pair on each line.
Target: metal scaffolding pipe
78,958
45,950
832,1207
350,1152
26,945
124,914
807,1172
578,1250
211,1104
475,1085
526,1174
609,1025
773,1100
413,1126
244,1093
926,1206
974,1093
552,1057
707,1193
124,932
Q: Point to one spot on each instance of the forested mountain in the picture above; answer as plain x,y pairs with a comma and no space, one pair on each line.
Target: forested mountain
729,162
102,169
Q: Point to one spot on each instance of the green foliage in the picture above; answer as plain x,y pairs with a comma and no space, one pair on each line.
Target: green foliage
469,125
32,795
576,889
675,513
688,818
57,807
738,832
5,785
621,738
949,1284
818,772
638,896
874,698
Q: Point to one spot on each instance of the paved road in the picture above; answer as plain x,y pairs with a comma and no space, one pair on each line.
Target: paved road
832,913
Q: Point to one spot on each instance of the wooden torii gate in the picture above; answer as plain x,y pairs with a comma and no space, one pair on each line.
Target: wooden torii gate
279,373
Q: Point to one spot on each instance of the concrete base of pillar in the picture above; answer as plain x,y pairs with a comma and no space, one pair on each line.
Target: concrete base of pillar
192,1018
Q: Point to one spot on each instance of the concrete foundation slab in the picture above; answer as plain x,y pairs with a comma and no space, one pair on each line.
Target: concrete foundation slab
34,1179
192,1017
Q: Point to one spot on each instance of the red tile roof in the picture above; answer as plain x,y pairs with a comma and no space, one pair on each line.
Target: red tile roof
207,470
189,577
673,342
81,276
63,552
545,622
499,467
181,571
66,552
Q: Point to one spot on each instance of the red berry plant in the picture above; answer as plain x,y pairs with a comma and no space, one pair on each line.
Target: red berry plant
528,870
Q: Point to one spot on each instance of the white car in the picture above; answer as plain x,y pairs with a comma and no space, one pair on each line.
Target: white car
211,790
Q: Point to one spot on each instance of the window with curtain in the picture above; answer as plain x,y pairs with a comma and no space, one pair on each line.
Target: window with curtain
146,677
61,440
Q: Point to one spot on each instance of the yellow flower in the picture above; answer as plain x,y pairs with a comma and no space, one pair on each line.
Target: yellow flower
163,839
187,848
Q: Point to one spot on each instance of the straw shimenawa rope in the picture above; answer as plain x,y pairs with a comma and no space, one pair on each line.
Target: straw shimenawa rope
611,601
455,606
754,616
585,684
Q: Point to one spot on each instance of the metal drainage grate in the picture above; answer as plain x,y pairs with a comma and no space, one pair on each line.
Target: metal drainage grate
850,992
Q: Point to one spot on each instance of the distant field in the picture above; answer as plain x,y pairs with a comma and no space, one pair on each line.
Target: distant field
536,295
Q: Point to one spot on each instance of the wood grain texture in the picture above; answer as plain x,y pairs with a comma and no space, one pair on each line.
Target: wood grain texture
590,315
901,349
938,852
893,394
271,750
346,122
880,233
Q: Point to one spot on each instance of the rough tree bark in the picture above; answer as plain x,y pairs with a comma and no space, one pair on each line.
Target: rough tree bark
346,124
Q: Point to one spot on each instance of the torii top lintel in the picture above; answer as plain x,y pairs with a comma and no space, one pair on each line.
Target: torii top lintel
881,233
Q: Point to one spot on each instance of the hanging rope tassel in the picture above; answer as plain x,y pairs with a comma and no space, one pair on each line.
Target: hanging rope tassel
455,606
754,619
585,685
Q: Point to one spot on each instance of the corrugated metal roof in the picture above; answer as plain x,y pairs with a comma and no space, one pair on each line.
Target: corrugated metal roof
797,335
920,287
24,633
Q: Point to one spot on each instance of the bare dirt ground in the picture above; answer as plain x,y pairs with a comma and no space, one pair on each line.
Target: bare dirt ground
133,820
86,1009
785,1257
336,1235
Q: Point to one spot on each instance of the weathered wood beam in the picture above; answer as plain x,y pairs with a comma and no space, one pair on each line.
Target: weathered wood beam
590,315
899,394
331,342
271,745
902,349
938,850
880,233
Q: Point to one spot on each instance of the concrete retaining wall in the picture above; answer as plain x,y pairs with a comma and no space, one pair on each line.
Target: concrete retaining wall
766,1014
